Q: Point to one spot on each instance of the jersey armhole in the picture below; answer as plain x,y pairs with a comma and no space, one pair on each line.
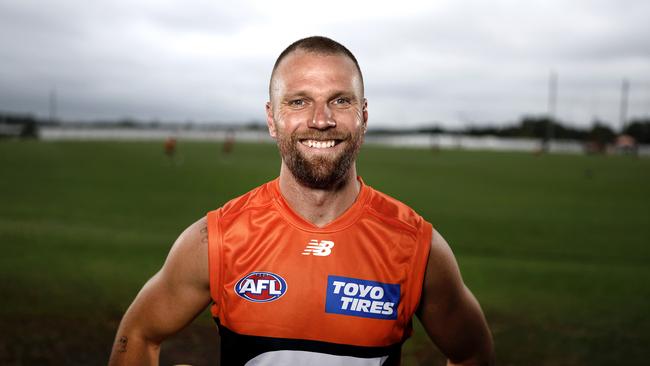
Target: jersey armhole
214,260
419,265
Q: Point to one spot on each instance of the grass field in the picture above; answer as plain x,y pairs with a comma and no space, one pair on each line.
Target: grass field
554,247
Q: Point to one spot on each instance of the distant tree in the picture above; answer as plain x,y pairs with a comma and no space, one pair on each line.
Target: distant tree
255,125
127,122
482,131
430,129
639,129
536,127
530,127
25,125
30,130
601,133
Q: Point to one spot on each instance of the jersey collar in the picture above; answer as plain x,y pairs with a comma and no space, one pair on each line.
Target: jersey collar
347,218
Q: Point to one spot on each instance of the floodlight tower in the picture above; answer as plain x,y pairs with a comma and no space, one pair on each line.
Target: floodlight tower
52,100
552,103
625,91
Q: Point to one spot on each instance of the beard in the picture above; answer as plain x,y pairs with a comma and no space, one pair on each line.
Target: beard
321,171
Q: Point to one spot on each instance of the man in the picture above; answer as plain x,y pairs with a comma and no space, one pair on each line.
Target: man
314,267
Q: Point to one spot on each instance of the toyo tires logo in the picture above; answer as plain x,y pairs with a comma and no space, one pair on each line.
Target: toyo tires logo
357,297
261,287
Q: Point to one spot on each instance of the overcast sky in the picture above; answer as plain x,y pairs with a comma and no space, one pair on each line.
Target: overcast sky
455,62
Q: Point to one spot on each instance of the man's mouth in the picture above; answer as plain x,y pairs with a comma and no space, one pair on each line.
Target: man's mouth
320,144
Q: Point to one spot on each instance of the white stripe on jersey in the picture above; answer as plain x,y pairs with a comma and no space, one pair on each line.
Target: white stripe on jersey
286,357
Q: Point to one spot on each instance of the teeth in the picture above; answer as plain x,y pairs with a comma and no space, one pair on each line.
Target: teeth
319,144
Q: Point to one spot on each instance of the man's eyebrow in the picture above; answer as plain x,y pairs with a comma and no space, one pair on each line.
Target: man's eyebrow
342,93
295,94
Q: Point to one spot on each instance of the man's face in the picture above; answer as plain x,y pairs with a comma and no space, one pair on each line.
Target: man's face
318,116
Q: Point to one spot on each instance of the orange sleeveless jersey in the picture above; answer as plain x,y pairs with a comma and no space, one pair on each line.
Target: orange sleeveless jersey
285,291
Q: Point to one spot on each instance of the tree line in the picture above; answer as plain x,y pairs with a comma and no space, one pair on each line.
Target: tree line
545,127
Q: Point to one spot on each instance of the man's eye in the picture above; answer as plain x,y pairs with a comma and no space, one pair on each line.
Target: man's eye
341,101
297,103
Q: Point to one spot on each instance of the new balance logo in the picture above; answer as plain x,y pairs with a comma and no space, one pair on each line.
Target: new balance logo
321,248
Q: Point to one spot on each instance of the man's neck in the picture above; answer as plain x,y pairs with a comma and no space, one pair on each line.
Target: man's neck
319,206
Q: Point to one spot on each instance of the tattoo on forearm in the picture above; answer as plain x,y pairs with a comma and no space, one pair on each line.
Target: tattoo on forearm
121,344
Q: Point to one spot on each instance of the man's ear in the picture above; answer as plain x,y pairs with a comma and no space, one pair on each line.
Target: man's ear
364,110
269,120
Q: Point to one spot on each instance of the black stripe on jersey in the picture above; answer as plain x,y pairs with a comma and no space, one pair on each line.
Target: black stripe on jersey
237,349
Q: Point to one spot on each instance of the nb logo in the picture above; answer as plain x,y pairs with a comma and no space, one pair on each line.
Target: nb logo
321,248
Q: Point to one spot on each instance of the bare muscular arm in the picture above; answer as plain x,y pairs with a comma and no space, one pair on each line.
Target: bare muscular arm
168,302
450,313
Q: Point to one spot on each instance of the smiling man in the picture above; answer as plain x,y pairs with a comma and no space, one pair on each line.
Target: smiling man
314,267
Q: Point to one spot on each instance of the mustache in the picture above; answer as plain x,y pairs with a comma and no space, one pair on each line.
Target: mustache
322,135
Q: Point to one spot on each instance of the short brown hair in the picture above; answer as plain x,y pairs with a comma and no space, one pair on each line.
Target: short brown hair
319,45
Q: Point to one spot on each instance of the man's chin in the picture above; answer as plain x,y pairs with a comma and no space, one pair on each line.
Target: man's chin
319,168
317,173
327,183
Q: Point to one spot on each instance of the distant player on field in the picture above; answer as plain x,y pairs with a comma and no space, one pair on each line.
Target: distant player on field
314,267
170,147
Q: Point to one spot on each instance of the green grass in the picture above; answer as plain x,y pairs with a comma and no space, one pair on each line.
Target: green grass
554,247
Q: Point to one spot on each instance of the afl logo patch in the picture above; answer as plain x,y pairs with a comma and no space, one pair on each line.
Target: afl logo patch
261,287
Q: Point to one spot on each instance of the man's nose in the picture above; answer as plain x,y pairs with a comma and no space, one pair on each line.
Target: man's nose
322,118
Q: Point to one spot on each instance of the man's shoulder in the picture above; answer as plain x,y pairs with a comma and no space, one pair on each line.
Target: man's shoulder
257,197
394,211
